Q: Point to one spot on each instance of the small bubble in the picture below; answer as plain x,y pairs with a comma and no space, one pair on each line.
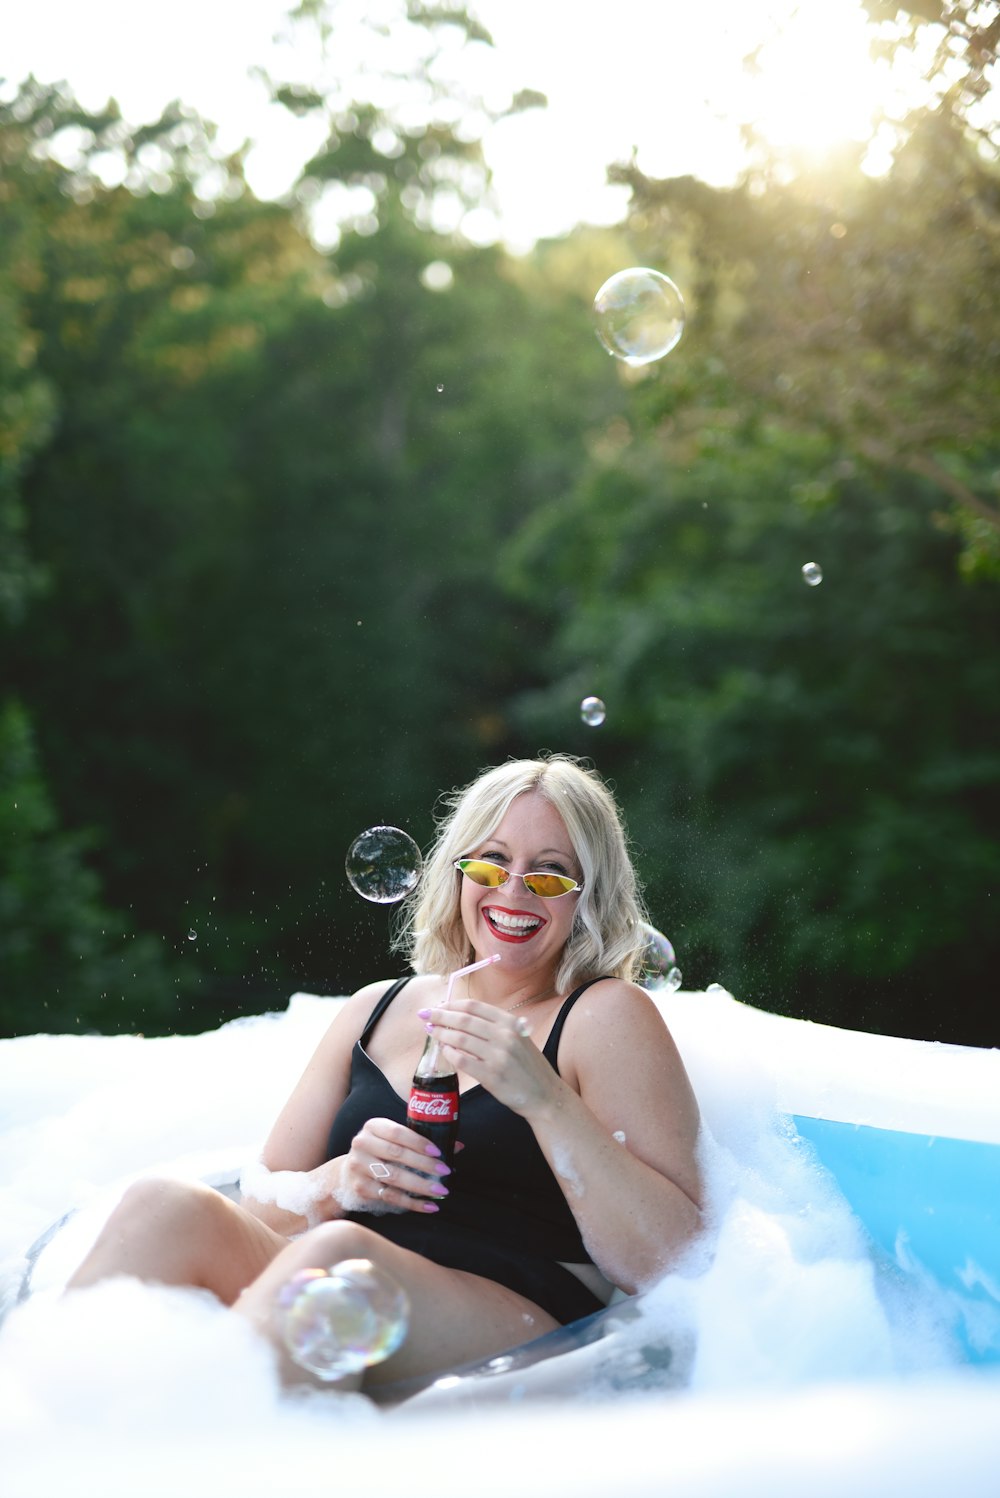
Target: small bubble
619,1135
440,389
674,979
192,936
715,988
813,574
593,711
383,865
639,315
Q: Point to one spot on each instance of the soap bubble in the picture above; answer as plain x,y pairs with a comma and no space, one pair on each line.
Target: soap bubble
658,956
593,711
339,1321
659,964
813,574
383,865
639,315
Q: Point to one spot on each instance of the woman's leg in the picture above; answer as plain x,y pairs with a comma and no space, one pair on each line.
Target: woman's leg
180,1233
454,1316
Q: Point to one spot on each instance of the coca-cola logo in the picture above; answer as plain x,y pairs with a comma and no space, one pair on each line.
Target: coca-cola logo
434,1107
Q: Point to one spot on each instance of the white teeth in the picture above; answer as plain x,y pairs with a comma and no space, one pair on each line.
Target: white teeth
514,922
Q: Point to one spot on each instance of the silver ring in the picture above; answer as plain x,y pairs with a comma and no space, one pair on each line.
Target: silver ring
523,1028
381,1192
380,1171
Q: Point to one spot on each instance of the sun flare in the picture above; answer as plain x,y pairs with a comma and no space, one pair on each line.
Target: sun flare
812,85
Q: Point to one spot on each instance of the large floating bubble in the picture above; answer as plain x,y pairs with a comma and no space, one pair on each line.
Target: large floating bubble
593,712
383,865
339,1321
639,315
659,961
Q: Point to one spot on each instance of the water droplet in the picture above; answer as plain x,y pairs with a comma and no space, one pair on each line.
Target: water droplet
383,865
639,315
342,1320
813,574
192,936
658,956
593,711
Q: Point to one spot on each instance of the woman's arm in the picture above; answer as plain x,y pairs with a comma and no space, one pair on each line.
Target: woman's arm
620,1132
293,1154
618,1125
294,1186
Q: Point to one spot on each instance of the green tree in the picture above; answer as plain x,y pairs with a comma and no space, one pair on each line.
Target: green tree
807,771
66,961
272,510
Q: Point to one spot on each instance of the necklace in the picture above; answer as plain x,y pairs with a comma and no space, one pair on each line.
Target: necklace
546,993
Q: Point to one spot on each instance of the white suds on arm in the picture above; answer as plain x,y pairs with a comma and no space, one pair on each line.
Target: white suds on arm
291,1190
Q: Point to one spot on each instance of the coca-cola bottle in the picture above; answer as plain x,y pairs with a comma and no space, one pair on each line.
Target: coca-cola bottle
433,1107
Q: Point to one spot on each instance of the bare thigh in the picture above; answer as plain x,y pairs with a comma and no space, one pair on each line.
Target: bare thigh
454,1316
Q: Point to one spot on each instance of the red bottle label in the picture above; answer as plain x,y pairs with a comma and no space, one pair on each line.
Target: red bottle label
433,1107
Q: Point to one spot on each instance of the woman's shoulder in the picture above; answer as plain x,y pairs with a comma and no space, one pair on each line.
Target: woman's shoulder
616,1027
615,1006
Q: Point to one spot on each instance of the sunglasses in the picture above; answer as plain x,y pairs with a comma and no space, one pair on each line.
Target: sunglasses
493,876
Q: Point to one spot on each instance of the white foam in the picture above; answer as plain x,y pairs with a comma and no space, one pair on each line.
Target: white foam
810,1372
818,1071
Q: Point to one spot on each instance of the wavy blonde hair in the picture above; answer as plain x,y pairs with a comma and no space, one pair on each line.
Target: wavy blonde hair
606,939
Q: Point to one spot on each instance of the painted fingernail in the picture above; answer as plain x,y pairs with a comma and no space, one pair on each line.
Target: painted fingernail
441,1169
439,1190
423,1014
429,1028
431,1207
432,1149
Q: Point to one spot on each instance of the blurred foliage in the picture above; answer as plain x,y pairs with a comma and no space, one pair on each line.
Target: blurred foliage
300,527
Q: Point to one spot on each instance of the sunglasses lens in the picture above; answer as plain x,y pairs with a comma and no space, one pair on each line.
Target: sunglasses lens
549,886
490,875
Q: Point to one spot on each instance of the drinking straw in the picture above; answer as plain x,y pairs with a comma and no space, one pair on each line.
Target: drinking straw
473,966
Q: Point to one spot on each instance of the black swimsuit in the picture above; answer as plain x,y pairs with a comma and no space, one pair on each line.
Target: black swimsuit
505,1217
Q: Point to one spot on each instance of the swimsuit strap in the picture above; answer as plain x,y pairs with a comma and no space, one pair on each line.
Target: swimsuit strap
382,1006
551,1047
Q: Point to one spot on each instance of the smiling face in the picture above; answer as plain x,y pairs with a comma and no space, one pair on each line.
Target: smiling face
528,931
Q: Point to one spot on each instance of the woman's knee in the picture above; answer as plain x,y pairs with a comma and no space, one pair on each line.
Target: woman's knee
164,1202
331,1242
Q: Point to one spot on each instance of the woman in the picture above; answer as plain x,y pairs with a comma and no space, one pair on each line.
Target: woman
579,1169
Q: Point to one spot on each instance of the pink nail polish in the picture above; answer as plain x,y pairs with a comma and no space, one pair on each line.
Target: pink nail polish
432,1149
431,1207
429,1028
423,1014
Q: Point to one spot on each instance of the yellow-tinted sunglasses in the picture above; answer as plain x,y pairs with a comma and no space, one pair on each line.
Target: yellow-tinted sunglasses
494,876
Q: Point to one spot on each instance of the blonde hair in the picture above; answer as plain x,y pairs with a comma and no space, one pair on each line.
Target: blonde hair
606,939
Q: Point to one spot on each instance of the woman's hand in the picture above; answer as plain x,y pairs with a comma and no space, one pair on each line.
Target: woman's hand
495,1047
389,1168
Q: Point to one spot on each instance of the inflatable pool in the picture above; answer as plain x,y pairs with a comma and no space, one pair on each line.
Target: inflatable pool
846,1330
